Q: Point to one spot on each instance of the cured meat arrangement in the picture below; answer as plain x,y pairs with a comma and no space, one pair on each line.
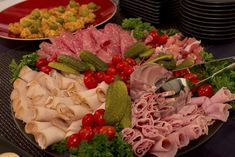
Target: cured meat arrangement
84,85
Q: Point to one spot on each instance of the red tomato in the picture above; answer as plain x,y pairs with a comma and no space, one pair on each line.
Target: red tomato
99,117
205,90
73,141
90,82
181,72
86,133
152,45
154,35
162,39
88,120
89,73
109,131
41,62
128,70
108,78
46,69
116,59
52,59
130,61
194,81
96,130
112,71
99,76
120,66
190,76
123,76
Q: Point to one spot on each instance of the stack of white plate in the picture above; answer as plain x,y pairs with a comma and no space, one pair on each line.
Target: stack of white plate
208,19
148,10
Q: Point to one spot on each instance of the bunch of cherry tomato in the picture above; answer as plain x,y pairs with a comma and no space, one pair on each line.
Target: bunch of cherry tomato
118,66
203,90
92,124
42,64
157,39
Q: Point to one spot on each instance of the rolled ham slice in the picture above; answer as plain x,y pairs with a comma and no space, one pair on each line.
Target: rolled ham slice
49,136
74,127
60,123
222,96
43,114
141,147
180,138
128,134
35,126
27,74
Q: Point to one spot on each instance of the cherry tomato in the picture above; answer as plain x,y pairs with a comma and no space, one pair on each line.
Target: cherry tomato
152,45
86,133
190,76
52,59
89,73
205,90
128,70
116,59
130,61
73,141
46,69
154,35
162,39
123,76
109,131
181,72
194,81
96,130
120,66
112,71
90,82
88,120
41,62
108,78
99,76
99,117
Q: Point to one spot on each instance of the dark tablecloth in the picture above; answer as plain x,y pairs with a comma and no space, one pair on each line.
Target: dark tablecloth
222,144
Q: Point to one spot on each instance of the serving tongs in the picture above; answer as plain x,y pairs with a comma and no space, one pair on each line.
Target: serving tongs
177,83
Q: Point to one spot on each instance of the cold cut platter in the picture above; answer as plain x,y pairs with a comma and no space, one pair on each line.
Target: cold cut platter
115,92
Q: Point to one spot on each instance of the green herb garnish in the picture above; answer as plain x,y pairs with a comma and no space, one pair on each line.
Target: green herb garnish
28,60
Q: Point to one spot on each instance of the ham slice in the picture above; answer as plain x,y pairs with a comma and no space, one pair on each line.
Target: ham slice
35,126
141,147
222,96
49,136
179,138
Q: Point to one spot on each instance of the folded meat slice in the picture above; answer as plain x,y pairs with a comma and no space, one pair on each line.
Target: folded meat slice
35,126
222,96
151,132
191,131
218,111
180,138
144,77
43,114
139,108
74,127
52,102
49,136
141,147
128,134
60,123
27,74
164,148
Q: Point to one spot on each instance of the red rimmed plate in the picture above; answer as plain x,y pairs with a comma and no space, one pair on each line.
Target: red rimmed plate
19,10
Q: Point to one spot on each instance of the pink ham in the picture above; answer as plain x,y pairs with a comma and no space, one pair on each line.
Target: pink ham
164,148
222,96
140,108
218,111
149,131
188,109
141,147
179,138
164,128
191,131
142,122
128,134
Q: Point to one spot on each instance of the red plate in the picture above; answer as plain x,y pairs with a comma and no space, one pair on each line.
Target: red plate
17,11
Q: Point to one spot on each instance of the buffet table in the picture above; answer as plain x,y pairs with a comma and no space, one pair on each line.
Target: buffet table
220,145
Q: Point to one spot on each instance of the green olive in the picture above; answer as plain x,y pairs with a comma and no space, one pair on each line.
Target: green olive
84,12
91,5
37,23
60,20
53,26
73,4
46,15
25,23
34,29
72,18
61,9
35,14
